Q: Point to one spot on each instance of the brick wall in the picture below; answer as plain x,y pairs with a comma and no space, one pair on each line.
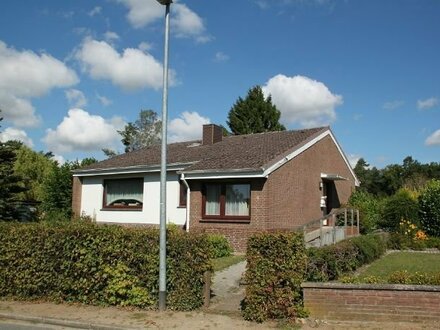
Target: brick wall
289,198
76,196
236,233
368,302
293,190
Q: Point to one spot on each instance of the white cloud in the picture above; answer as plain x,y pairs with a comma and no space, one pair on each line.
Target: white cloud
81,131
26,75
76,98
12,133
110,36
145,46
131,70
302,100
187,127
393,105
221,57
104,100
60,159
185,22
427,104
95,11
433,139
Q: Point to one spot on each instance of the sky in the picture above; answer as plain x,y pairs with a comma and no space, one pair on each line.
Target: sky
73,72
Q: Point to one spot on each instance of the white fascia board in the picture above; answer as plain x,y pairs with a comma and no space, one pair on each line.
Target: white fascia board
223,175
357,183
334,177
130,170
308,145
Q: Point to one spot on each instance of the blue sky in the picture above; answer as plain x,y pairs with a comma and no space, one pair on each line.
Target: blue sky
73,72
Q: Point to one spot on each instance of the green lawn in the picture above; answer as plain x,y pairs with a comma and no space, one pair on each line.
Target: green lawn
398,261
222,263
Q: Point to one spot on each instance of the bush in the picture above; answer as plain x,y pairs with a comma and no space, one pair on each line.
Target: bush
402,205
403,277
369,208
330,262
276,266
429,204
96,264
220,246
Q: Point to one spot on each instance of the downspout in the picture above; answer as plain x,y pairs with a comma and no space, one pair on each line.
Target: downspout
188,200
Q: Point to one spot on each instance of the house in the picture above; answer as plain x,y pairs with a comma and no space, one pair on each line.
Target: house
234,185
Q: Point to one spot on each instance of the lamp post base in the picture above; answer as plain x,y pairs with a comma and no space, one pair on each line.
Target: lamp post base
162,300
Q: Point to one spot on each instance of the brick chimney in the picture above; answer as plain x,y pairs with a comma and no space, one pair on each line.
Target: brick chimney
212,134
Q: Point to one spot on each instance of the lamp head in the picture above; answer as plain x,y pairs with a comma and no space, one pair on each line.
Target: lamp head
165,2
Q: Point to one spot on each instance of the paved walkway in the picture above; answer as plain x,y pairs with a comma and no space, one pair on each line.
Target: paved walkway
227,293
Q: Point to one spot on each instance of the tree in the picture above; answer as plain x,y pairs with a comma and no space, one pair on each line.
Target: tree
144,132
33,167
254,114
57,191
10,183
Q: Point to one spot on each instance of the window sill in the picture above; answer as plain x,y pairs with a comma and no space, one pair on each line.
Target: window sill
123,209
225,220
181,206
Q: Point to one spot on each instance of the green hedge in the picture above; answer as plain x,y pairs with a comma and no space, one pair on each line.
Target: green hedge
276,265
220,246
87,263
329,262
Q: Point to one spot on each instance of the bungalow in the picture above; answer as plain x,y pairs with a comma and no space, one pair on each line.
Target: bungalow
234,185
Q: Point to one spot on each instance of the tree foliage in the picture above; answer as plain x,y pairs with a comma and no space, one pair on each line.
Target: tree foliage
429,203
57,189
10,183
144,132
254,114
387,181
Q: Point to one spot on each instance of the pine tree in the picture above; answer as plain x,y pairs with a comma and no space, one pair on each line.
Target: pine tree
254,114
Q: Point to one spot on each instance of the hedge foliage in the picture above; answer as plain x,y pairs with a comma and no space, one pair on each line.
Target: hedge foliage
95,264
398,277
429,203
276,266
330,262
220,246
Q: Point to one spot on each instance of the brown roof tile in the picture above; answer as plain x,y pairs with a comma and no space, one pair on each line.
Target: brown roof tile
237,152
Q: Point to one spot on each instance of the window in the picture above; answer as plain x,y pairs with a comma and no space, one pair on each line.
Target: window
183,192
227,201
123,193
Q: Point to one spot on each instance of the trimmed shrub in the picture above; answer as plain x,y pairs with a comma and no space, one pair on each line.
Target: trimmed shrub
220,246
330,262
276,266
97,264
402,205
369,210
429,204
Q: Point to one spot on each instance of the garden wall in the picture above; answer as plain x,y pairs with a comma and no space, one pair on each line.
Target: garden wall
373,302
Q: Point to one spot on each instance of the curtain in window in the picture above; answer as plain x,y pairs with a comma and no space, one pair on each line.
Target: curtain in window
125,190
212,206
237,199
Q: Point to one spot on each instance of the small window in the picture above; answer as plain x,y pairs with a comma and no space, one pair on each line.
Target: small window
183,192
227,201
123,193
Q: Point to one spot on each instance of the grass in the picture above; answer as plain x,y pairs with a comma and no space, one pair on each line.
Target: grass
398,261
225,262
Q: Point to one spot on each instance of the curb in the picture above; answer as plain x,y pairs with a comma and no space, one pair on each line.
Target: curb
62,322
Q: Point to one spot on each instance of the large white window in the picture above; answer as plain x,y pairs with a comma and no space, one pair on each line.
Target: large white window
227,201
124,193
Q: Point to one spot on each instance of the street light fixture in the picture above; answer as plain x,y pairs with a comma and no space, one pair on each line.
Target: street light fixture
163,166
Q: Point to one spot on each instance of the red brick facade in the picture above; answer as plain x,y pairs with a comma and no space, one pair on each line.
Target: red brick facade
390,303
288,198
76,196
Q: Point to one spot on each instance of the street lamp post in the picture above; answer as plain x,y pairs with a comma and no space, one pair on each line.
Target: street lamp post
163,166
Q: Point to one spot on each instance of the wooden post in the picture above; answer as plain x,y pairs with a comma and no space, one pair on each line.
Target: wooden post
206,289
357,221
